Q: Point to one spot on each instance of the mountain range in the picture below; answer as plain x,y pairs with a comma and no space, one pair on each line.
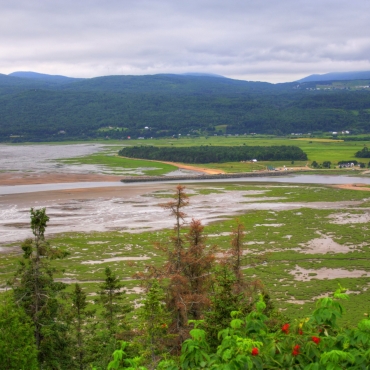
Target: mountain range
41,107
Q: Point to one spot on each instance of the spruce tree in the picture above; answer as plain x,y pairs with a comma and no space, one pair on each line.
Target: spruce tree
112,324
154,320
37,293
80,316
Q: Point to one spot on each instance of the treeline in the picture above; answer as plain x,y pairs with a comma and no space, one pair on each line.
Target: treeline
214,154
197,313
170,105
363,153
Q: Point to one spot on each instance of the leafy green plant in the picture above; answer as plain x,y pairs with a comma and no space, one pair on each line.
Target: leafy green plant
121,361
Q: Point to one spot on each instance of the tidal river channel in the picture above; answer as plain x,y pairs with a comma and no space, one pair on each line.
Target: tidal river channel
293,179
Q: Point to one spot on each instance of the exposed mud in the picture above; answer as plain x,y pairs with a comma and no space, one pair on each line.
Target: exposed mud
115,259
350,218
302,274
25,178
7,250
361,187
38,159
323,245
269,225
123,208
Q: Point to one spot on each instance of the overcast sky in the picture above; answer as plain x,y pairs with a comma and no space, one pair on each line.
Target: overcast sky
256,40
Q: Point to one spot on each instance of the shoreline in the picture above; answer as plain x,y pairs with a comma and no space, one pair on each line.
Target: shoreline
208,176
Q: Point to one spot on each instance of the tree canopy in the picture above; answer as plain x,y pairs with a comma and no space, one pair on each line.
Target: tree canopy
215,154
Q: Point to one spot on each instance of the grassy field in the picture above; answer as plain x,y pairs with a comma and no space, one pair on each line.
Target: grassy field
278,243
317,149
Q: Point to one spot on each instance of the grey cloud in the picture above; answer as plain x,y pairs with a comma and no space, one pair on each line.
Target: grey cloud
269,39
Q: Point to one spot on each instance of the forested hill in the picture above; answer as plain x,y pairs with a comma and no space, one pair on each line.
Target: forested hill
37,107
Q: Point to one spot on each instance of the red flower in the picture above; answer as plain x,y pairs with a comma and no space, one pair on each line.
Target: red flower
285,328
255,351
295,351
300,332
164,326
316,340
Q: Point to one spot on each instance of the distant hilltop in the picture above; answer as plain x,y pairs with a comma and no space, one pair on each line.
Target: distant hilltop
332,76
43,77
337,76
59,78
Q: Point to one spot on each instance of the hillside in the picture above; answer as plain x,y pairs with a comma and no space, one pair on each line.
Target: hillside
39,107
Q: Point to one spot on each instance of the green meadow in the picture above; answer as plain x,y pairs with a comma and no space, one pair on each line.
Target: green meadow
317,149
112,164
283,246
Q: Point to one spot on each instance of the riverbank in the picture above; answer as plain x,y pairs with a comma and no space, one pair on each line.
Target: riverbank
219,176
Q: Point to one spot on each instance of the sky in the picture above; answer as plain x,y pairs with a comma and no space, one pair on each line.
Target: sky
253,40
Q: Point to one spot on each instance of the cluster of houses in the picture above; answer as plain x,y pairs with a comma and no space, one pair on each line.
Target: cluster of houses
343,133
346,165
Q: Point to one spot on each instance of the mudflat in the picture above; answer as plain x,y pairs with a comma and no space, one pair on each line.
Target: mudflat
24,178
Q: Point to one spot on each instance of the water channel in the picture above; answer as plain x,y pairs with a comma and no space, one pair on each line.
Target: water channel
294,179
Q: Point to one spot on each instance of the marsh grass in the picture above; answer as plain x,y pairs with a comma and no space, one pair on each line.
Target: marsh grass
120,165
273,246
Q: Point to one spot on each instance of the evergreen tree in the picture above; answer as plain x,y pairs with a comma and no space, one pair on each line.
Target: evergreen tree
231,291
36,292
111,297
80,316
113,325
17,342
154,319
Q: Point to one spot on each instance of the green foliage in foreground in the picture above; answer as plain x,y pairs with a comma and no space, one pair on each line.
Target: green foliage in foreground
215,154
17,342
312,343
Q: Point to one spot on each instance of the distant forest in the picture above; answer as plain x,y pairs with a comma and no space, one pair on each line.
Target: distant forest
215,154
165,105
